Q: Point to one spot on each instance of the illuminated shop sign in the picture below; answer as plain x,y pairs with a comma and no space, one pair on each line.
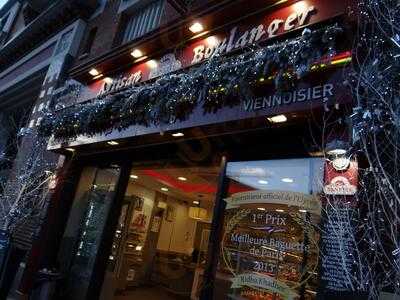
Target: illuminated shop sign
316,93
217,45
255,30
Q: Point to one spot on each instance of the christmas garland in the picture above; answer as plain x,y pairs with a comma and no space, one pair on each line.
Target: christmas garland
221,81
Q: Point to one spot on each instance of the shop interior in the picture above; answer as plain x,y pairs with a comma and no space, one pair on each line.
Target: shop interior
162,235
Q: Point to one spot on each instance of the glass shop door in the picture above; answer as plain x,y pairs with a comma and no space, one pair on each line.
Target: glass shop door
269,248
84,232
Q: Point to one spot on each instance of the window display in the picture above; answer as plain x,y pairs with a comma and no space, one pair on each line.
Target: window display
269,249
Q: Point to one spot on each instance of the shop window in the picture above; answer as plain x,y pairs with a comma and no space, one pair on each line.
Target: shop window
143,20
269,248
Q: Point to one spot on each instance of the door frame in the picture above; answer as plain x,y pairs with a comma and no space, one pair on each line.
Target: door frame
107,237
126,157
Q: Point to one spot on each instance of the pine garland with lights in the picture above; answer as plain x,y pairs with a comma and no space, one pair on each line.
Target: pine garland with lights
220,82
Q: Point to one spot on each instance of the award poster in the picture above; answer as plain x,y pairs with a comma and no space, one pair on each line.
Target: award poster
270,245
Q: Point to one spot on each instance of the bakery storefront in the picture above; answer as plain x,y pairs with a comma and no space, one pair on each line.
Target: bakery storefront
201,171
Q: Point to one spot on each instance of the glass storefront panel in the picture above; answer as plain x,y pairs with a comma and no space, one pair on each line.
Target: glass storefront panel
160,244
269,248
85,227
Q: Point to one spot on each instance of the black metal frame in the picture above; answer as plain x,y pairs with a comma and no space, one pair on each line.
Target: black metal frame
216,235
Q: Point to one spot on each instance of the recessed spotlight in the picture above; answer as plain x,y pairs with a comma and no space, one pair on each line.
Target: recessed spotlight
178,134
288,180
152,64
164,189
196,27
182,178
137,53
279,210
70,149
196,202
302,210
277,119
113,143
261,208
134,176
94,72
263,182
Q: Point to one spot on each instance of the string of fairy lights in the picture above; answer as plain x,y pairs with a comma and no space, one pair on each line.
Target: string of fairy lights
374,226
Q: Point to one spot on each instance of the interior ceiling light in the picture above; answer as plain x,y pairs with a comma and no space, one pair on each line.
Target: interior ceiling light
196,27
287,180
182,178
94,72
137,53
113,143
178,134
277,119
196,202
134,176
263,182
164,189
261,208
279,210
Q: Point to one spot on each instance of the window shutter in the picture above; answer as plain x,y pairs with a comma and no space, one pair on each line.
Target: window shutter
144,21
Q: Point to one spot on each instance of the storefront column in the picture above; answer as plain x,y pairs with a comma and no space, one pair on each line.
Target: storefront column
66,48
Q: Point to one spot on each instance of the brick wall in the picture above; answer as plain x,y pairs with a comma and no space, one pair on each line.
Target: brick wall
109,27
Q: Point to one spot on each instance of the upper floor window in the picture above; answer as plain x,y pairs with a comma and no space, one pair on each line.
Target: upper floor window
143,20
89,41
3,22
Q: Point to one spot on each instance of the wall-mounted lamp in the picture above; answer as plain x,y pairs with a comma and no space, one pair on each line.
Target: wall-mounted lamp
337,152
336,148
137,53
196,27
94,72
